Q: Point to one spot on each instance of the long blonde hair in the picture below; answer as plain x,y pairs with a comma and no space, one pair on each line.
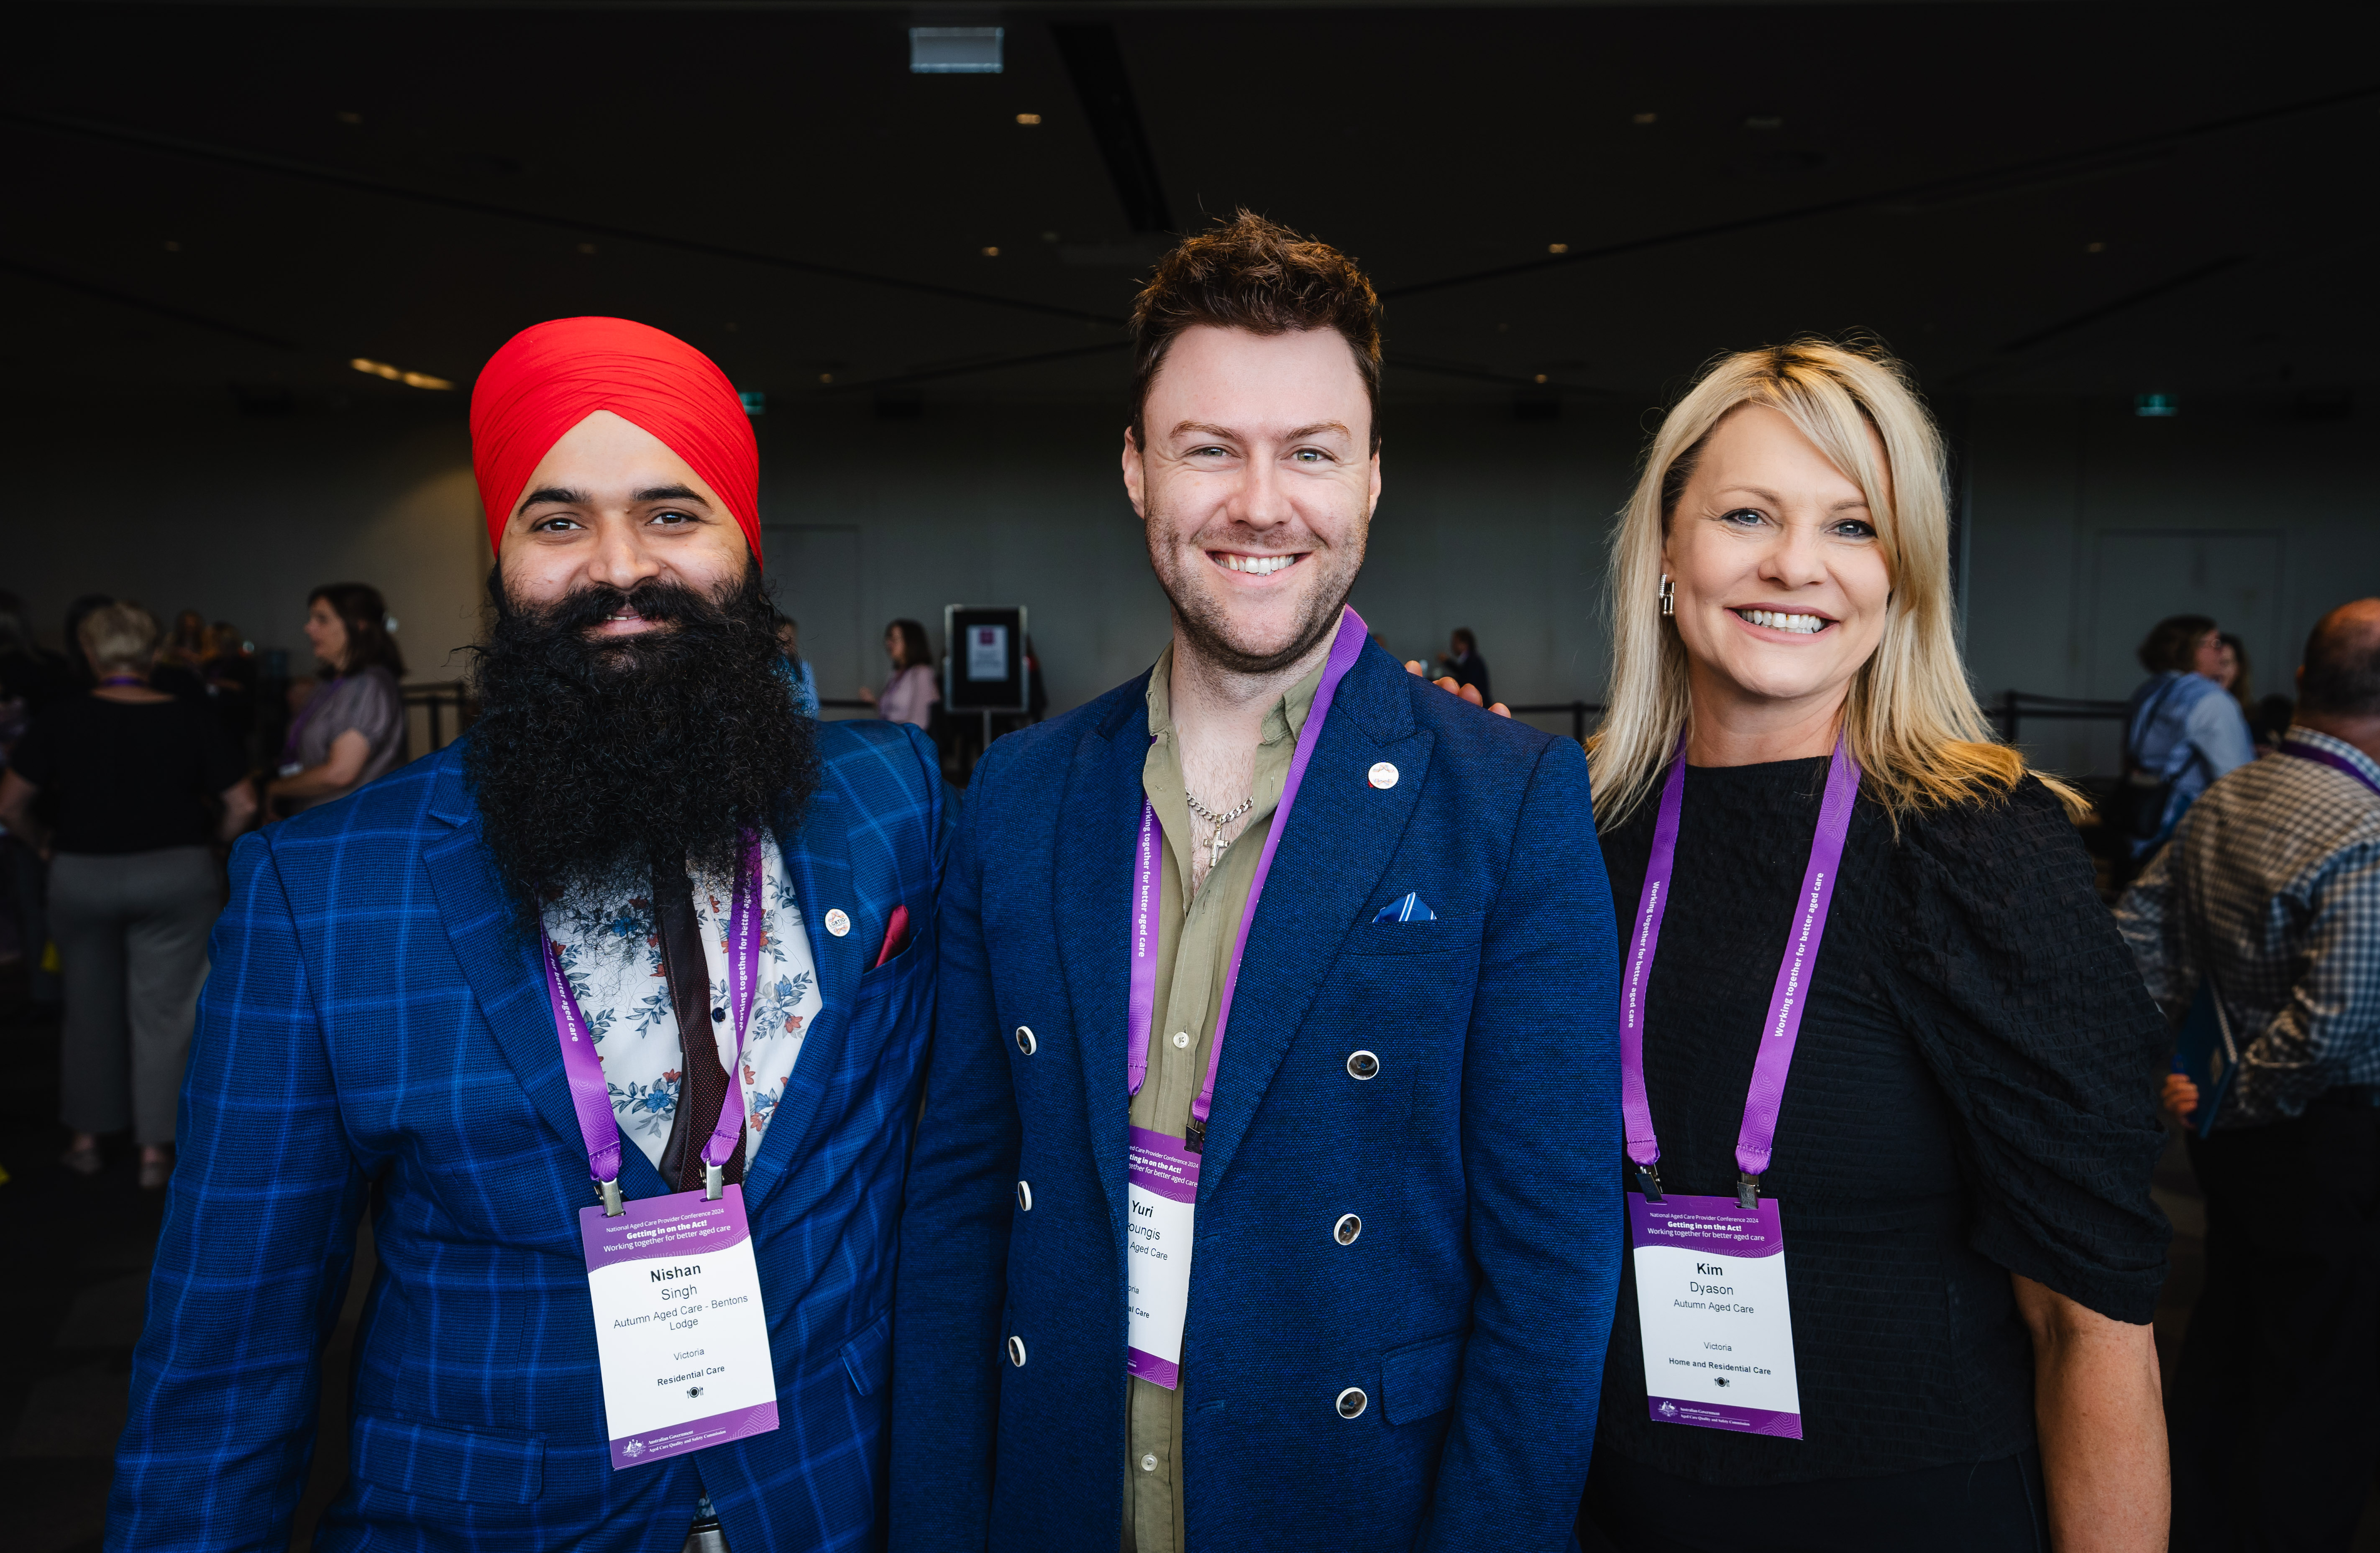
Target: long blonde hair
1910,719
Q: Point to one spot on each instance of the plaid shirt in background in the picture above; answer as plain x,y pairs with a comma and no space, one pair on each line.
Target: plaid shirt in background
2272,883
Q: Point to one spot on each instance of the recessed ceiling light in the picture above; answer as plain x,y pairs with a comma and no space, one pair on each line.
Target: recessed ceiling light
587,247
1541,377
1557,248
992,251
1643,118
1764,121
2156,406
826,376
397,374
1028,118
346,118
2094,248
173,247
954,51
1048,236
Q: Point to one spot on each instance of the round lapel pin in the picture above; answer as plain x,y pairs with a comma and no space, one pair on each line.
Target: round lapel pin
838,922
1384,776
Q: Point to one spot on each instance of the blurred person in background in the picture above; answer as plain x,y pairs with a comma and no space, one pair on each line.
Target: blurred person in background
910,694
30,680
1464,665
351,731
2181,729
230,668
2267,906
789,642
30,673
78,670
188,645
2268,718
133,882
176,670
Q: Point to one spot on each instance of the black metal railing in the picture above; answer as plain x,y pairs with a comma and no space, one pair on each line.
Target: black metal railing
2011,709
440,700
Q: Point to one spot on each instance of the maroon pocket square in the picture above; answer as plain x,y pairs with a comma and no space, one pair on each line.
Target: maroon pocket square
896,936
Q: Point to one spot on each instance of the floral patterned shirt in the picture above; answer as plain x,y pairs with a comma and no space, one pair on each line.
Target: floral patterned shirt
613,961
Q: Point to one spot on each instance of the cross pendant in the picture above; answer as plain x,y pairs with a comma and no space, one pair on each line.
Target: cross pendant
1215,860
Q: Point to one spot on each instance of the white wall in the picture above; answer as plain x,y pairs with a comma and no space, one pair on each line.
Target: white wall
2089,524
241,516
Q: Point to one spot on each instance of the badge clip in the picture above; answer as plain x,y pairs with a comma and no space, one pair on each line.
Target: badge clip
1651,1178
1194,1137
609,1192
1747,1192
714,1181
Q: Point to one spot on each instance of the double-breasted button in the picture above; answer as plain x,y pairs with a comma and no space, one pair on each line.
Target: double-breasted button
1351,1401
1016,1357
1024,1197
1347,1229
1362,1064
1025,1041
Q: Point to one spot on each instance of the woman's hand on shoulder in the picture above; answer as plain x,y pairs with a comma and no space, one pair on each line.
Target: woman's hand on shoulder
1466,692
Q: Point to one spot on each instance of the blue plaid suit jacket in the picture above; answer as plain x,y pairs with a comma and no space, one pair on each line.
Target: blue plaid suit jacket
372,1035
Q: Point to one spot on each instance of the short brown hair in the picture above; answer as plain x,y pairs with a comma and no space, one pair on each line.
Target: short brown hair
2173,642
118,636
1255,275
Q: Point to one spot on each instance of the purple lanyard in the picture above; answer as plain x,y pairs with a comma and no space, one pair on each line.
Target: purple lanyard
592,1096
1344,649
1758,1138
306,714
2328,758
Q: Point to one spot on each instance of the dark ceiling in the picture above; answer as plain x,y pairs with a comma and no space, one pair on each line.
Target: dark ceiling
2021,198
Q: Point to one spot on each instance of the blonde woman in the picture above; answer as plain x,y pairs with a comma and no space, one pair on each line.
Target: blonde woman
1911,1239
133,886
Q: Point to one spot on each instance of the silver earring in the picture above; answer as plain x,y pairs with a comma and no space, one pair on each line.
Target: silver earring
1668,596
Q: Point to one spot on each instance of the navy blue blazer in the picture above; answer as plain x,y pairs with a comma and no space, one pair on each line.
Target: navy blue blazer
1475,1307
374,1033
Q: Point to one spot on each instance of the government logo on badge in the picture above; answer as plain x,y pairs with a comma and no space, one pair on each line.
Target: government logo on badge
1669,1410
633,1450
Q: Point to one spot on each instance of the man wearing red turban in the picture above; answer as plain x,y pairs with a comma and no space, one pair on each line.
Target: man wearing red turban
613,1013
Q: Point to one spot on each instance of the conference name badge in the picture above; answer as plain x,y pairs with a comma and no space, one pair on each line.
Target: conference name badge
1710,1301
1164,1200
679,1332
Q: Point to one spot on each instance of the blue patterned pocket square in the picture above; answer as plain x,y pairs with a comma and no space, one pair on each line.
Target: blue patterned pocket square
1410,909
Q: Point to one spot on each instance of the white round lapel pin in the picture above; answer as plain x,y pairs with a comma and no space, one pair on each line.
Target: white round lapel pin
1384,776
838,922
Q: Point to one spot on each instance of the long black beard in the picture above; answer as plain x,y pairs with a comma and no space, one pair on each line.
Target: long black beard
596,760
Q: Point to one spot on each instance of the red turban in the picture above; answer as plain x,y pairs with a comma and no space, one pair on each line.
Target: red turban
550,376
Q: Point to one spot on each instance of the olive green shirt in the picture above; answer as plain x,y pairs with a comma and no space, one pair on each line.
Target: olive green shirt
1193,953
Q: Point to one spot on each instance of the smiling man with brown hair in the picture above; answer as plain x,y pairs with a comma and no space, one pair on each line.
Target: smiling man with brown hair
1279,955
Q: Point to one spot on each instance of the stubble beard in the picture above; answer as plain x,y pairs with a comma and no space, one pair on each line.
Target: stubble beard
1204,618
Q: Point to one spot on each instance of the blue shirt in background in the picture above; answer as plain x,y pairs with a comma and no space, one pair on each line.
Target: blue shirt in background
2186,730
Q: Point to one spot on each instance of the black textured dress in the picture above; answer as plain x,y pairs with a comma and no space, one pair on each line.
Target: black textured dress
1969,1098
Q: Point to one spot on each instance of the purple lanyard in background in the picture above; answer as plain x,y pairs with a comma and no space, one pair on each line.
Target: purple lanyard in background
592,1095
2328,758
1344,649
304,715
1758,1138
